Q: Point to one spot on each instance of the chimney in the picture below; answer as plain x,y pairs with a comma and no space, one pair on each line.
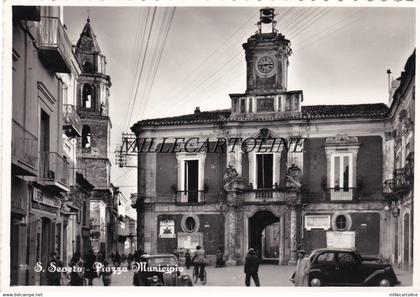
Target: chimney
197,110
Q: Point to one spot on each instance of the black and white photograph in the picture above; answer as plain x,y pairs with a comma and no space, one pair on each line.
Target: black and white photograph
268,144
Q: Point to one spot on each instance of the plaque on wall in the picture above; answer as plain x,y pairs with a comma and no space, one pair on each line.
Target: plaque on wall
317,222
189,241
341,239
265,104
167,229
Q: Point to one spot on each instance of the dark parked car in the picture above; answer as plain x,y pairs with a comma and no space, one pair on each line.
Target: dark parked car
346,267
159,270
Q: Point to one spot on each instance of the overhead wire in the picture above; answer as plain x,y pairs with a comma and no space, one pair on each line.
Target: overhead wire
159,58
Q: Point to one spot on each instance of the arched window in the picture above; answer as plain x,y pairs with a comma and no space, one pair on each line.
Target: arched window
87,96
87,67
86,137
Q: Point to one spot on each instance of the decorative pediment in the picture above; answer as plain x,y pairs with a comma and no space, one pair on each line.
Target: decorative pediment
342,139
264,133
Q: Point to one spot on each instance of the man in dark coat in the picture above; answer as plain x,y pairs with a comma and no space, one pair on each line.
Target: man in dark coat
54,276
251,268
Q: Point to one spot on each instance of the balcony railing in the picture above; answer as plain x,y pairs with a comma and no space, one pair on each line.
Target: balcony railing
54,171
190,197
400,184
54,45
261,195
341,194
24,151
72,124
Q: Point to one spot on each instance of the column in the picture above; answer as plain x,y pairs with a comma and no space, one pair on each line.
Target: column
230,228
293,229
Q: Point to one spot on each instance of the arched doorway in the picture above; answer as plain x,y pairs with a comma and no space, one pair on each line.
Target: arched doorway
264,235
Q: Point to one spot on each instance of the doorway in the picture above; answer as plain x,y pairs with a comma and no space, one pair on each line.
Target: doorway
264,235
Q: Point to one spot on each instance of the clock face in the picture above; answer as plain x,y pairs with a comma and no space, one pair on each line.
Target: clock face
265,65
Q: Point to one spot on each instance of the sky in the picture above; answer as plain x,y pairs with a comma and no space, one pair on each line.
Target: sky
340,56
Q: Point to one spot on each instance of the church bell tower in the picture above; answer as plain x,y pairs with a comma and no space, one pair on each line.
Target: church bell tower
92,105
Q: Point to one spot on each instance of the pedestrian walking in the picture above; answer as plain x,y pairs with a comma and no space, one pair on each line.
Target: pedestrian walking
77,275
219,258
54,276
251,268
106,274
200,261
188,261
117,259
90,272
130,259
303,266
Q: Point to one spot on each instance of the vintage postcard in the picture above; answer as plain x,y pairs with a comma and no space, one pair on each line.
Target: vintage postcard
234,144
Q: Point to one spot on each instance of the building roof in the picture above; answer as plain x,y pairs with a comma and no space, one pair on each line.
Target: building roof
87,42
376,110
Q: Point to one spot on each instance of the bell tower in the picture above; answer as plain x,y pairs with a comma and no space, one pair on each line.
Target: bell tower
267,56
92,106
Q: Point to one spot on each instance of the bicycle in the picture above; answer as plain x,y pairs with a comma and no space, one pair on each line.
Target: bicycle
196,274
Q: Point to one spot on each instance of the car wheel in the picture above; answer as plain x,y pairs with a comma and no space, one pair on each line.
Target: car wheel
384,282
315,282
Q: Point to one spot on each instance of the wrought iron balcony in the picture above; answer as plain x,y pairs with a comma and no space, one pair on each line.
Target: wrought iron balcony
54,171
72,124
24,151
54,45
341,194
190,197
401,183
263,195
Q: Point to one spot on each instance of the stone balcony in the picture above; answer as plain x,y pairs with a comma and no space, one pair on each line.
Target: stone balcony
54,45
72,123
276,196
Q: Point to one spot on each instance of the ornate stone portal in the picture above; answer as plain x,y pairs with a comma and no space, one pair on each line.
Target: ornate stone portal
237,216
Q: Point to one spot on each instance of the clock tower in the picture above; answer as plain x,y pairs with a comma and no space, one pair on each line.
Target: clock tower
267,56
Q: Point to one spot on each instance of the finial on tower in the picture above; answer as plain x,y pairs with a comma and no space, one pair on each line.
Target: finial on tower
267,17
88,17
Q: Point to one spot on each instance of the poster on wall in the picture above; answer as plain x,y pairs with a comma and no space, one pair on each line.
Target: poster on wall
167,229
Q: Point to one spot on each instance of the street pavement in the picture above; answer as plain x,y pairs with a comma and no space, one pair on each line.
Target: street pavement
269,275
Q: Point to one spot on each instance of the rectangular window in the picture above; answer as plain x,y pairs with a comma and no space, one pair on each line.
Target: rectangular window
279,103
341,177
243,105
265,104
250,105
288,107
191,180
44,144
264,171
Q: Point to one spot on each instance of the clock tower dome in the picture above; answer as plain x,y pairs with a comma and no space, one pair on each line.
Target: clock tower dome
267,56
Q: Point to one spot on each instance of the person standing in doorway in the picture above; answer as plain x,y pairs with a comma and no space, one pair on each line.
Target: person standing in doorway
251,268
301,275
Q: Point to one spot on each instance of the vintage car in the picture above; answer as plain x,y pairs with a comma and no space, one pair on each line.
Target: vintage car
346,267
159,270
